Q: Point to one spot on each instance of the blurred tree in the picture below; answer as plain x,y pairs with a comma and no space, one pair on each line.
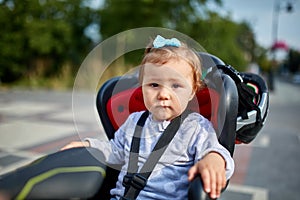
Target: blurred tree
261,58
246,40
233,42
221,36
38,36
117,16
293,61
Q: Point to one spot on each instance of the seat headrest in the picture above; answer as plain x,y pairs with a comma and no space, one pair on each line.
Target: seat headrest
122,104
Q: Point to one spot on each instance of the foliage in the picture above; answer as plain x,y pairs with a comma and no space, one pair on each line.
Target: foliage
39,36
261,59
233,42
220,36
293,61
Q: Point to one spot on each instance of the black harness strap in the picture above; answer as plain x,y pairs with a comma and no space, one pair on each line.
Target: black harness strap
135,181
135,144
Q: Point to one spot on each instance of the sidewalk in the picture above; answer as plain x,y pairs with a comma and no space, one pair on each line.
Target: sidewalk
285,92
35,123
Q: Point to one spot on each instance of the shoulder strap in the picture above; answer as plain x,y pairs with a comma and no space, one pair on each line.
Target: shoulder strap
134,182
135,144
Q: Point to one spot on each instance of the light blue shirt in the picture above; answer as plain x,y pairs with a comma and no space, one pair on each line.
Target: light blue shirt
195,138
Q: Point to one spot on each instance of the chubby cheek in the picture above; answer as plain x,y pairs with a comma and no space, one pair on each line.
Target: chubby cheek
148,104
182,104
148,99
183,99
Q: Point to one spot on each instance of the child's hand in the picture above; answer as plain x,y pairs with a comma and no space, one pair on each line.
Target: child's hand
212,171
76,144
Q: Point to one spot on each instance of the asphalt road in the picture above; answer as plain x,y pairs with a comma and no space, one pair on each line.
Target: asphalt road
274,165
35,123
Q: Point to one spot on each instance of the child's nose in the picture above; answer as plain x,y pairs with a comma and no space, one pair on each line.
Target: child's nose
164,93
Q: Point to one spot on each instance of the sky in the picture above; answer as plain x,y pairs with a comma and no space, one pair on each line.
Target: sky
259,13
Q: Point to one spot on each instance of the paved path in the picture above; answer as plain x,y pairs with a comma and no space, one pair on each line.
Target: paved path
269,167
35,123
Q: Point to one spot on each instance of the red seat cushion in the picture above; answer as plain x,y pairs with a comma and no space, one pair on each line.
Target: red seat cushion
206,102
120,105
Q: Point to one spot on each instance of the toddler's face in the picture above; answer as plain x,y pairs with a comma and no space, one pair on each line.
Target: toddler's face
167,88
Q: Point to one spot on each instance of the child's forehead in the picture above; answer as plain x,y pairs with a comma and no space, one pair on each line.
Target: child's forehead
167,71
168,68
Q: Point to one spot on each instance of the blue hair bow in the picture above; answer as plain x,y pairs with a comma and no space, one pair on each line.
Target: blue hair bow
160,41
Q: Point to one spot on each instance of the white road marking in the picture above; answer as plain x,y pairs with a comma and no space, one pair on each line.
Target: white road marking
257,193
263,141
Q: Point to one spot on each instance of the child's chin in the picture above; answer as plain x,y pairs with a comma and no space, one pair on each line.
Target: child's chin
161,117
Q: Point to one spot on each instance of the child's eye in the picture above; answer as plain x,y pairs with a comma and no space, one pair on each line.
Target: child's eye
175,85
154,85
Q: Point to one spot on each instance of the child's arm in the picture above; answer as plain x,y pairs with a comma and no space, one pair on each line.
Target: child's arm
75,144
212,171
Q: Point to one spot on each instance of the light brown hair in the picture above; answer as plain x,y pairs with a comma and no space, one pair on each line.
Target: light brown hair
160,56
